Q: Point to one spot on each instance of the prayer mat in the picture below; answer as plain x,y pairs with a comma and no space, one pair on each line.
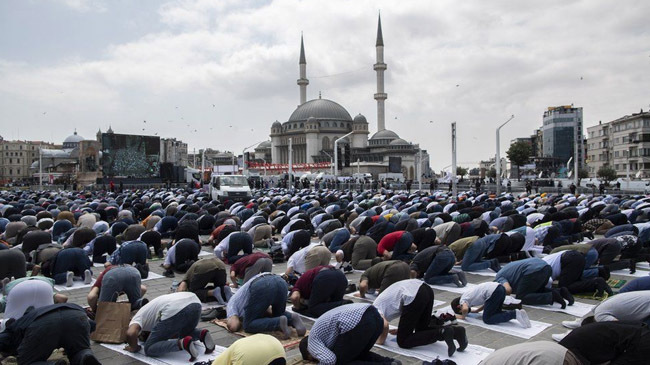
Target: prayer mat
509,328
472,355
170,358
577,309
616,283
288,344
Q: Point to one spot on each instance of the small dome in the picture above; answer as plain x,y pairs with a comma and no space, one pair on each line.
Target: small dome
276,124
75,138
265,144
385,134
360,119
398,142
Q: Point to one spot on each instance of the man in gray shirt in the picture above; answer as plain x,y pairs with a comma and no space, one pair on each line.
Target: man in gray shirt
625,307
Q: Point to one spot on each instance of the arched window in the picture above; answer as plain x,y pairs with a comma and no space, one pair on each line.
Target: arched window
326,143
302,125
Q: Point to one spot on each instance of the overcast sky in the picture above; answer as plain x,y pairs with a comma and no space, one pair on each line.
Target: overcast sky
217,73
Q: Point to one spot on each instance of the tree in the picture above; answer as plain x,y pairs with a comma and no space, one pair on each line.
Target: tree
461,171
583,174
606,173
492,173
519,154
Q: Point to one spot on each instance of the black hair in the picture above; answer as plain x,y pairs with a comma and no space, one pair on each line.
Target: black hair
455,305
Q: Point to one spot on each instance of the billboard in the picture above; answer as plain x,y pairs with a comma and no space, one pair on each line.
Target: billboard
395,164
130,155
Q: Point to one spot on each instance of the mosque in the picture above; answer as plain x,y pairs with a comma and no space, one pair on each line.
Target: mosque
312,128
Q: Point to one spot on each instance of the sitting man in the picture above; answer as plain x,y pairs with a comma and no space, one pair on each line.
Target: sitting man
248,266
528,279
115,280
319,290
412,302
207,279
488,297
34,336
346,334
248,307
434,264
171,320
383,275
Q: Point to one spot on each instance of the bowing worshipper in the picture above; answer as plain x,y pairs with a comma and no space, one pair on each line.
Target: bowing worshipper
397,245
488,298
318,290
256,349
207,279
412,302
527,279
171,321
382,275
233,247
434,265
181,256
115,280
346,335
248,266
247,308
359,251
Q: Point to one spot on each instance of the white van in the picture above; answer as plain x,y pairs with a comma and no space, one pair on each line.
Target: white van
230,187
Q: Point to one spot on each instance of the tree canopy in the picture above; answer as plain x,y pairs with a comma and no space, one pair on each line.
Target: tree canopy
606,173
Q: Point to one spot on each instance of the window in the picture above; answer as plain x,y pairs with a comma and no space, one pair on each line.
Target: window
18,171
11,161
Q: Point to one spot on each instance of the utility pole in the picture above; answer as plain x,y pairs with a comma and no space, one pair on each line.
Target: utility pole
291,162
498,156
420,171
336,154
577,142
40,168
454,187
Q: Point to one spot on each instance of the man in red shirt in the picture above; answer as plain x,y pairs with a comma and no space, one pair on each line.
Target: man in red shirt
249,266
318,290
397,245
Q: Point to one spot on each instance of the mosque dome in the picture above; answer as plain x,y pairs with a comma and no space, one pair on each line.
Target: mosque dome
398,142
75,138
321,109
265,144
360,119
385,134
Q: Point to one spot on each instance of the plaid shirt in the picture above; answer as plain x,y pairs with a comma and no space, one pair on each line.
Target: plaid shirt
329,326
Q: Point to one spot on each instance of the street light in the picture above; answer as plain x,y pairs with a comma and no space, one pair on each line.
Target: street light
498,156
331,161
336,154
243,156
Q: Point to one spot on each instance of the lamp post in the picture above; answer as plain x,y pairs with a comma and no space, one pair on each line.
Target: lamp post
454,189
40,168
331,161
243,156
291,163
498,156
420,171
336,154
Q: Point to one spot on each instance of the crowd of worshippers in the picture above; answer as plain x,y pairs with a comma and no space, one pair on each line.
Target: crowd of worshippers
542,248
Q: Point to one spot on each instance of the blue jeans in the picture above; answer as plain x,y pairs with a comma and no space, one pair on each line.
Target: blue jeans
165,334
135,252
492,313
70,259
473,259
438,271
590,259
124,279
400,251
339,239
531,288
266,291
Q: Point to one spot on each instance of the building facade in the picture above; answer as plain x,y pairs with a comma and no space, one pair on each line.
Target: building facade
622,144
309,135
561,125
173,151
16,157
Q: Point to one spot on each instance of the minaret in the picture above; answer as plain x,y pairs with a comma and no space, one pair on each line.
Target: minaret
380,67
302,81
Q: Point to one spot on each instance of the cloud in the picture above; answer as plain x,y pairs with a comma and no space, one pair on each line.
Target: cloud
85,5
473,62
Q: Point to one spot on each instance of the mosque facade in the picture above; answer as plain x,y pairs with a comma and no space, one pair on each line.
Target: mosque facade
309,133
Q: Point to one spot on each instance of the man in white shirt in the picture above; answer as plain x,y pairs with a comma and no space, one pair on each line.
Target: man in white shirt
488,297
412,302
171,321
308,258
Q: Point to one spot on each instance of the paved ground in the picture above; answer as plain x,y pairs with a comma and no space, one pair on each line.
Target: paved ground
477,335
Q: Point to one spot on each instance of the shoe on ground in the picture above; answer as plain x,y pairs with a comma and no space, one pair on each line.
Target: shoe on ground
456,281
88,276
188,345
566,294
560,336
462,277
347,268
168,274
522,318
448,337
494,265
557,298
461,337
69,278
572,324
207,341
